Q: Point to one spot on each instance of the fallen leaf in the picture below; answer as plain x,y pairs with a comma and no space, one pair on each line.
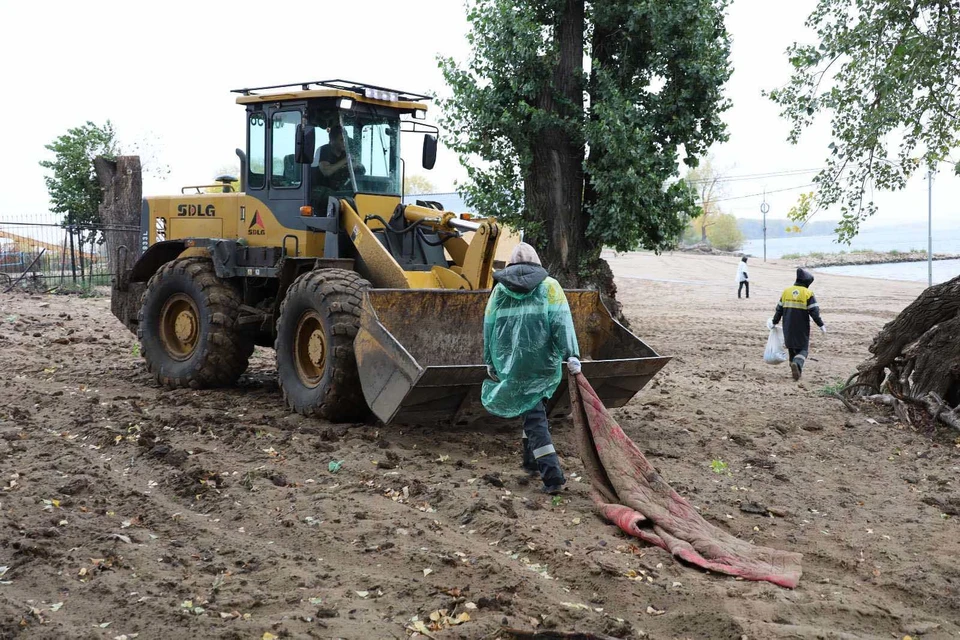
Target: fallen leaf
187,604
268,636
316,600
419,627
56,606
576,521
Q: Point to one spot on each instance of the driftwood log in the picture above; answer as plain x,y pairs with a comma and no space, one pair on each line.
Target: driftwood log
120,180
916,357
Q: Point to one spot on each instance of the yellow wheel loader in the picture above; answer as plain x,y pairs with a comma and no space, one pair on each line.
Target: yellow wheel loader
369,303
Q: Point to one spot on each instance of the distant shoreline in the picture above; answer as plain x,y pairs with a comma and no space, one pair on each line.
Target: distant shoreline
817,259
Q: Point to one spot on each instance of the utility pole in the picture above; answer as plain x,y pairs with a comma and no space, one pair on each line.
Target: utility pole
929,228
764,208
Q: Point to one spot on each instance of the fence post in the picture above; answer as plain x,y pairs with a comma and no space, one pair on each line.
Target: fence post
63,258
73,255
80,245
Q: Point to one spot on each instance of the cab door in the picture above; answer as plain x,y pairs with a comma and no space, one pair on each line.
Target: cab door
273,175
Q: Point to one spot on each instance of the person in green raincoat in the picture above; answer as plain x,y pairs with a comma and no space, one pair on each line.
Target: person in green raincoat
527,336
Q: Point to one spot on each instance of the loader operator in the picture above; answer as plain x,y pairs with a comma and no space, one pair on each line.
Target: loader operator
332,159
527,335
797,306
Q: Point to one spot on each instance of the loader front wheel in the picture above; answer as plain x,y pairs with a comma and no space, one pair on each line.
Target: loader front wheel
316,367
187,327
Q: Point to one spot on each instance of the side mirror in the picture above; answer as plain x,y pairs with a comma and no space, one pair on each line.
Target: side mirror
306,141
429,151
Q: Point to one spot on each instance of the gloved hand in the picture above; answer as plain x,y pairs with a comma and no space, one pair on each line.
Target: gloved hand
573,365
823,328
492,374
769,323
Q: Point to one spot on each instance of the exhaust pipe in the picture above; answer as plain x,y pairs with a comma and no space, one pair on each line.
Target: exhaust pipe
243,168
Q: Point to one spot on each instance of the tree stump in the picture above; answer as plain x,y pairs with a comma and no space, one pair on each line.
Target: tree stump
917,355
122,186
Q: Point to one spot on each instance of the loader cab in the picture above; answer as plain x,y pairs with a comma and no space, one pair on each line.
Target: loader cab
329,139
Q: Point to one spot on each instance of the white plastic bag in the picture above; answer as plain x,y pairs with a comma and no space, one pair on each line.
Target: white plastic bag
775,353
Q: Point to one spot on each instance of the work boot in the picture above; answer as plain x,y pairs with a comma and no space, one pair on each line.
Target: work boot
552,489
795,370
533,471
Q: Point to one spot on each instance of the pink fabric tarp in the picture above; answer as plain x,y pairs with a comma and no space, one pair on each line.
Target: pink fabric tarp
629,493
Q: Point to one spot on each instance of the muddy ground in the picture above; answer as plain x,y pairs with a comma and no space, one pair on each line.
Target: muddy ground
128,509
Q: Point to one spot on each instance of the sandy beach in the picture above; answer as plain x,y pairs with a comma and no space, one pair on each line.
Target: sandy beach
128,509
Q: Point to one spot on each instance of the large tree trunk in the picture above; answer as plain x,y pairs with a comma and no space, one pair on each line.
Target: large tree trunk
120,180
918,353
554,185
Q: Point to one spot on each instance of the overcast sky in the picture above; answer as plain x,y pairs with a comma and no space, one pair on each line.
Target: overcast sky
162,73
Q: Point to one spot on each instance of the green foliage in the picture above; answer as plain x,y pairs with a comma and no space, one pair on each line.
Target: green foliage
704,181
719,467
886,73
72,183
801,211
653,90
833,388
722,231
416,183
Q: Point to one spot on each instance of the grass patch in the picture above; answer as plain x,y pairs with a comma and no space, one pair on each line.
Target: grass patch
832,388
791,256
719,467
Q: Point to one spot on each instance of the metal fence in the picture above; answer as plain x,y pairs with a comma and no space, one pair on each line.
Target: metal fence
40,254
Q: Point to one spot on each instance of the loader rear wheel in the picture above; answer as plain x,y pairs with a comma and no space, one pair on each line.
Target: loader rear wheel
187,327
316,367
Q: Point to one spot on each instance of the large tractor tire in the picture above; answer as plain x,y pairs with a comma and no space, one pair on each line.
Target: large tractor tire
316,366
188,327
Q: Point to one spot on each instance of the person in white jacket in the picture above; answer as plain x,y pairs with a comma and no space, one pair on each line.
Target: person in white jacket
743,278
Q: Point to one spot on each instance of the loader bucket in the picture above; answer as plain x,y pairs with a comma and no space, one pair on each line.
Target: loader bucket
420,355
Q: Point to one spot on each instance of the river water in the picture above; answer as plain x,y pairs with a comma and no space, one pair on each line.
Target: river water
903,239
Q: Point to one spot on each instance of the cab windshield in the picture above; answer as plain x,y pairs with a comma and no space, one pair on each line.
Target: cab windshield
356,153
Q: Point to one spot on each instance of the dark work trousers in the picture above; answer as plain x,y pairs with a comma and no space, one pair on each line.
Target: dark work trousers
799,356
538,451
744,283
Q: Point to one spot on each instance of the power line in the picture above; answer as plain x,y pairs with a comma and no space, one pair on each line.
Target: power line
754,176
754,195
